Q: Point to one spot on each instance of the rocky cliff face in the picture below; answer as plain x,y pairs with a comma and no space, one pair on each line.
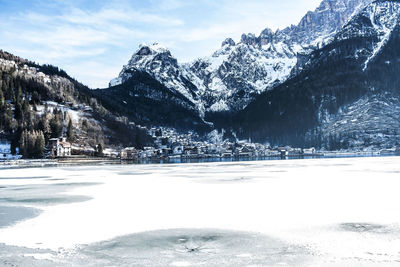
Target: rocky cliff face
325,21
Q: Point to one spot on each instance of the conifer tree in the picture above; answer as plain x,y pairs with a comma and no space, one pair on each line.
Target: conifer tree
44,126
55,127
70,133
100,150
19,94
39,145
7,118
25,106
2,100
9,92
22,144
18,113
32,144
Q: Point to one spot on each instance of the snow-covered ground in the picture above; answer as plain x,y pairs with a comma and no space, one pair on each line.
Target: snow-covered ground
323,212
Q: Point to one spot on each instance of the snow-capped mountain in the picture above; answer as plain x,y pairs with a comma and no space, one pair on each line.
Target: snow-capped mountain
347,94
237,72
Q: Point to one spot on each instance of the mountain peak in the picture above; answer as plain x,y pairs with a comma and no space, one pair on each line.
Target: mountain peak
147,58
249,39
228,41
147,50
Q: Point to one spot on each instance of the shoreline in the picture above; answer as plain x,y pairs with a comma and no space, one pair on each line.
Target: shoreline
89,161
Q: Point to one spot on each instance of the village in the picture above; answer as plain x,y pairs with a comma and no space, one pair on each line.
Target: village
169,144
176,147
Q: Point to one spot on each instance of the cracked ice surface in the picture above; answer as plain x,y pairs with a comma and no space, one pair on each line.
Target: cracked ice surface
323,212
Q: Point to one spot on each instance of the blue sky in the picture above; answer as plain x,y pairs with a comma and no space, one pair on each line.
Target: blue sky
91,40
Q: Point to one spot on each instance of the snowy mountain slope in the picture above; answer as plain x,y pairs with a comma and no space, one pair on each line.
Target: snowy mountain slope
380,19
348,89
237,72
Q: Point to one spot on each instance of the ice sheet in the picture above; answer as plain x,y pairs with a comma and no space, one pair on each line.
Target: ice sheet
345,211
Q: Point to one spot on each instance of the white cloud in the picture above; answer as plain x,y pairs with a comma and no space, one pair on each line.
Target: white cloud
98,73
117,15
72,34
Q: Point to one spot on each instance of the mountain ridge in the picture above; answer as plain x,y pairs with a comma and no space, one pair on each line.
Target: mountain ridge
321,105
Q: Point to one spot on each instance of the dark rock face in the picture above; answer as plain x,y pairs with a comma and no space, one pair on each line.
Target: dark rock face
228,41
249,39
328,18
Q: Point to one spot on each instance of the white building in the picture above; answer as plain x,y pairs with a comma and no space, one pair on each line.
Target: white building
309,151
5,151
60,147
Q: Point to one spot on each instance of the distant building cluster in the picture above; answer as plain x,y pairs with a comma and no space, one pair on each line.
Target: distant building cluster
170,144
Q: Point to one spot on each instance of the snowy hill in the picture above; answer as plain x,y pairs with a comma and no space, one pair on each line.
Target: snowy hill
44,99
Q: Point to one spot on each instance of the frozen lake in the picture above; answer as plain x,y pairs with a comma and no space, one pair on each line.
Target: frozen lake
320,212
